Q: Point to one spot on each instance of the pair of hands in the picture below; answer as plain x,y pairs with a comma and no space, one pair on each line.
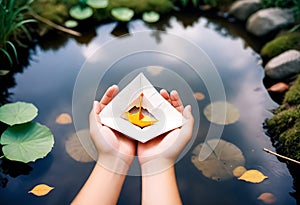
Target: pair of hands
116,151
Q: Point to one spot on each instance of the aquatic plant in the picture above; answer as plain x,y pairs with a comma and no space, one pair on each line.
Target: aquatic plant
23,140
218,3
12,27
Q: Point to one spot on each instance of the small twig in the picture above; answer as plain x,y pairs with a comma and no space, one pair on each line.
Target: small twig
54,25
281,156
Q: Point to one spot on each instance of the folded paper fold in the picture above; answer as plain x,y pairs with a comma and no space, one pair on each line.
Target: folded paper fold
164,116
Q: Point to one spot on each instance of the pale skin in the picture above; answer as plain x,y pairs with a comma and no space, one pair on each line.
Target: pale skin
159,184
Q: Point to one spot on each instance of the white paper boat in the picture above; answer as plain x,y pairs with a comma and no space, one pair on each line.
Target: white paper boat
168,118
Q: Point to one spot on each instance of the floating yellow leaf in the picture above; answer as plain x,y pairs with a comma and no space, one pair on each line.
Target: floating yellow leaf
279,87
239,171
267,198
139,118
199,96
63,119
253,176
41,190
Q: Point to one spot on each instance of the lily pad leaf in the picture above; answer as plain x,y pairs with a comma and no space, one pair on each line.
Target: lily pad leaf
222,113
222,161
253,176
26,142
41,190
150,17
76,150
122,13
97,4
267,198
64,119
79,13
4,72
17,113
71,24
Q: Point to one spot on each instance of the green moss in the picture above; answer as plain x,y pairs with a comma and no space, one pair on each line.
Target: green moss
281,44
292,97
284,126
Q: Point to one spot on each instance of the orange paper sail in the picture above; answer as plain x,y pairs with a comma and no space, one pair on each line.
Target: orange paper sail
139,118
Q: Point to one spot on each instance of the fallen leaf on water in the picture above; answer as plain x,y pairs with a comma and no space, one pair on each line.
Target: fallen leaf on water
199,96
222,113
41,190
239,171
267,198
75,148
220,163
63,119
155,70
139,118
253,176
279,87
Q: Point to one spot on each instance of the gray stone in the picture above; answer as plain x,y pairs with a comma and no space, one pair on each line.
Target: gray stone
283,66
267,20
242,9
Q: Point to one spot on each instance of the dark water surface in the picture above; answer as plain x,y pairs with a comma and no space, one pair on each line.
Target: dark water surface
48,83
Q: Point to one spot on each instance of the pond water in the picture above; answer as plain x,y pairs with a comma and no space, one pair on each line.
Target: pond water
49,80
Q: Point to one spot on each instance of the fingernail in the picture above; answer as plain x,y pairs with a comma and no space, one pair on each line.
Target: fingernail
189,108
95,103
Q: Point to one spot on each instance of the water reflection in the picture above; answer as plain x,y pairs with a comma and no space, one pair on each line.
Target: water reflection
49,84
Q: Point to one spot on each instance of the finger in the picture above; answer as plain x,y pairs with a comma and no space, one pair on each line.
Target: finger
108,96
176,101
187,128
165,95
95,111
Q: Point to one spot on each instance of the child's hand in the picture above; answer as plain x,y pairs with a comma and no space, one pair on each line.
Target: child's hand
161,153
115,151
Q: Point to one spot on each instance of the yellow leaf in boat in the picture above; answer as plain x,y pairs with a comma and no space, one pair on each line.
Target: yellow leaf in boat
143,121
139,118
253,176
41,190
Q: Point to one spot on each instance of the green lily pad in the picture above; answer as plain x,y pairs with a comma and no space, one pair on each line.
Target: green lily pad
17,113
79,13
71,24
97,4
4,72
26,142
122,13
150,17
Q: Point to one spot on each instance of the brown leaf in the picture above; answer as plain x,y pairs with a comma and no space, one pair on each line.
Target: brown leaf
199,96
279,87
267,198
41,190
63,119
253,176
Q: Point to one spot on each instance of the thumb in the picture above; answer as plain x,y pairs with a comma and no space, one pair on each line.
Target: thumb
187,112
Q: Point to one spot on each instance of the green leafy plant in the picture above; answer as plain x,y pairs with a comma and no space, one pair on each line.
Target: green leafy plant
12,26
23,140
294,4
185,2
216,3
